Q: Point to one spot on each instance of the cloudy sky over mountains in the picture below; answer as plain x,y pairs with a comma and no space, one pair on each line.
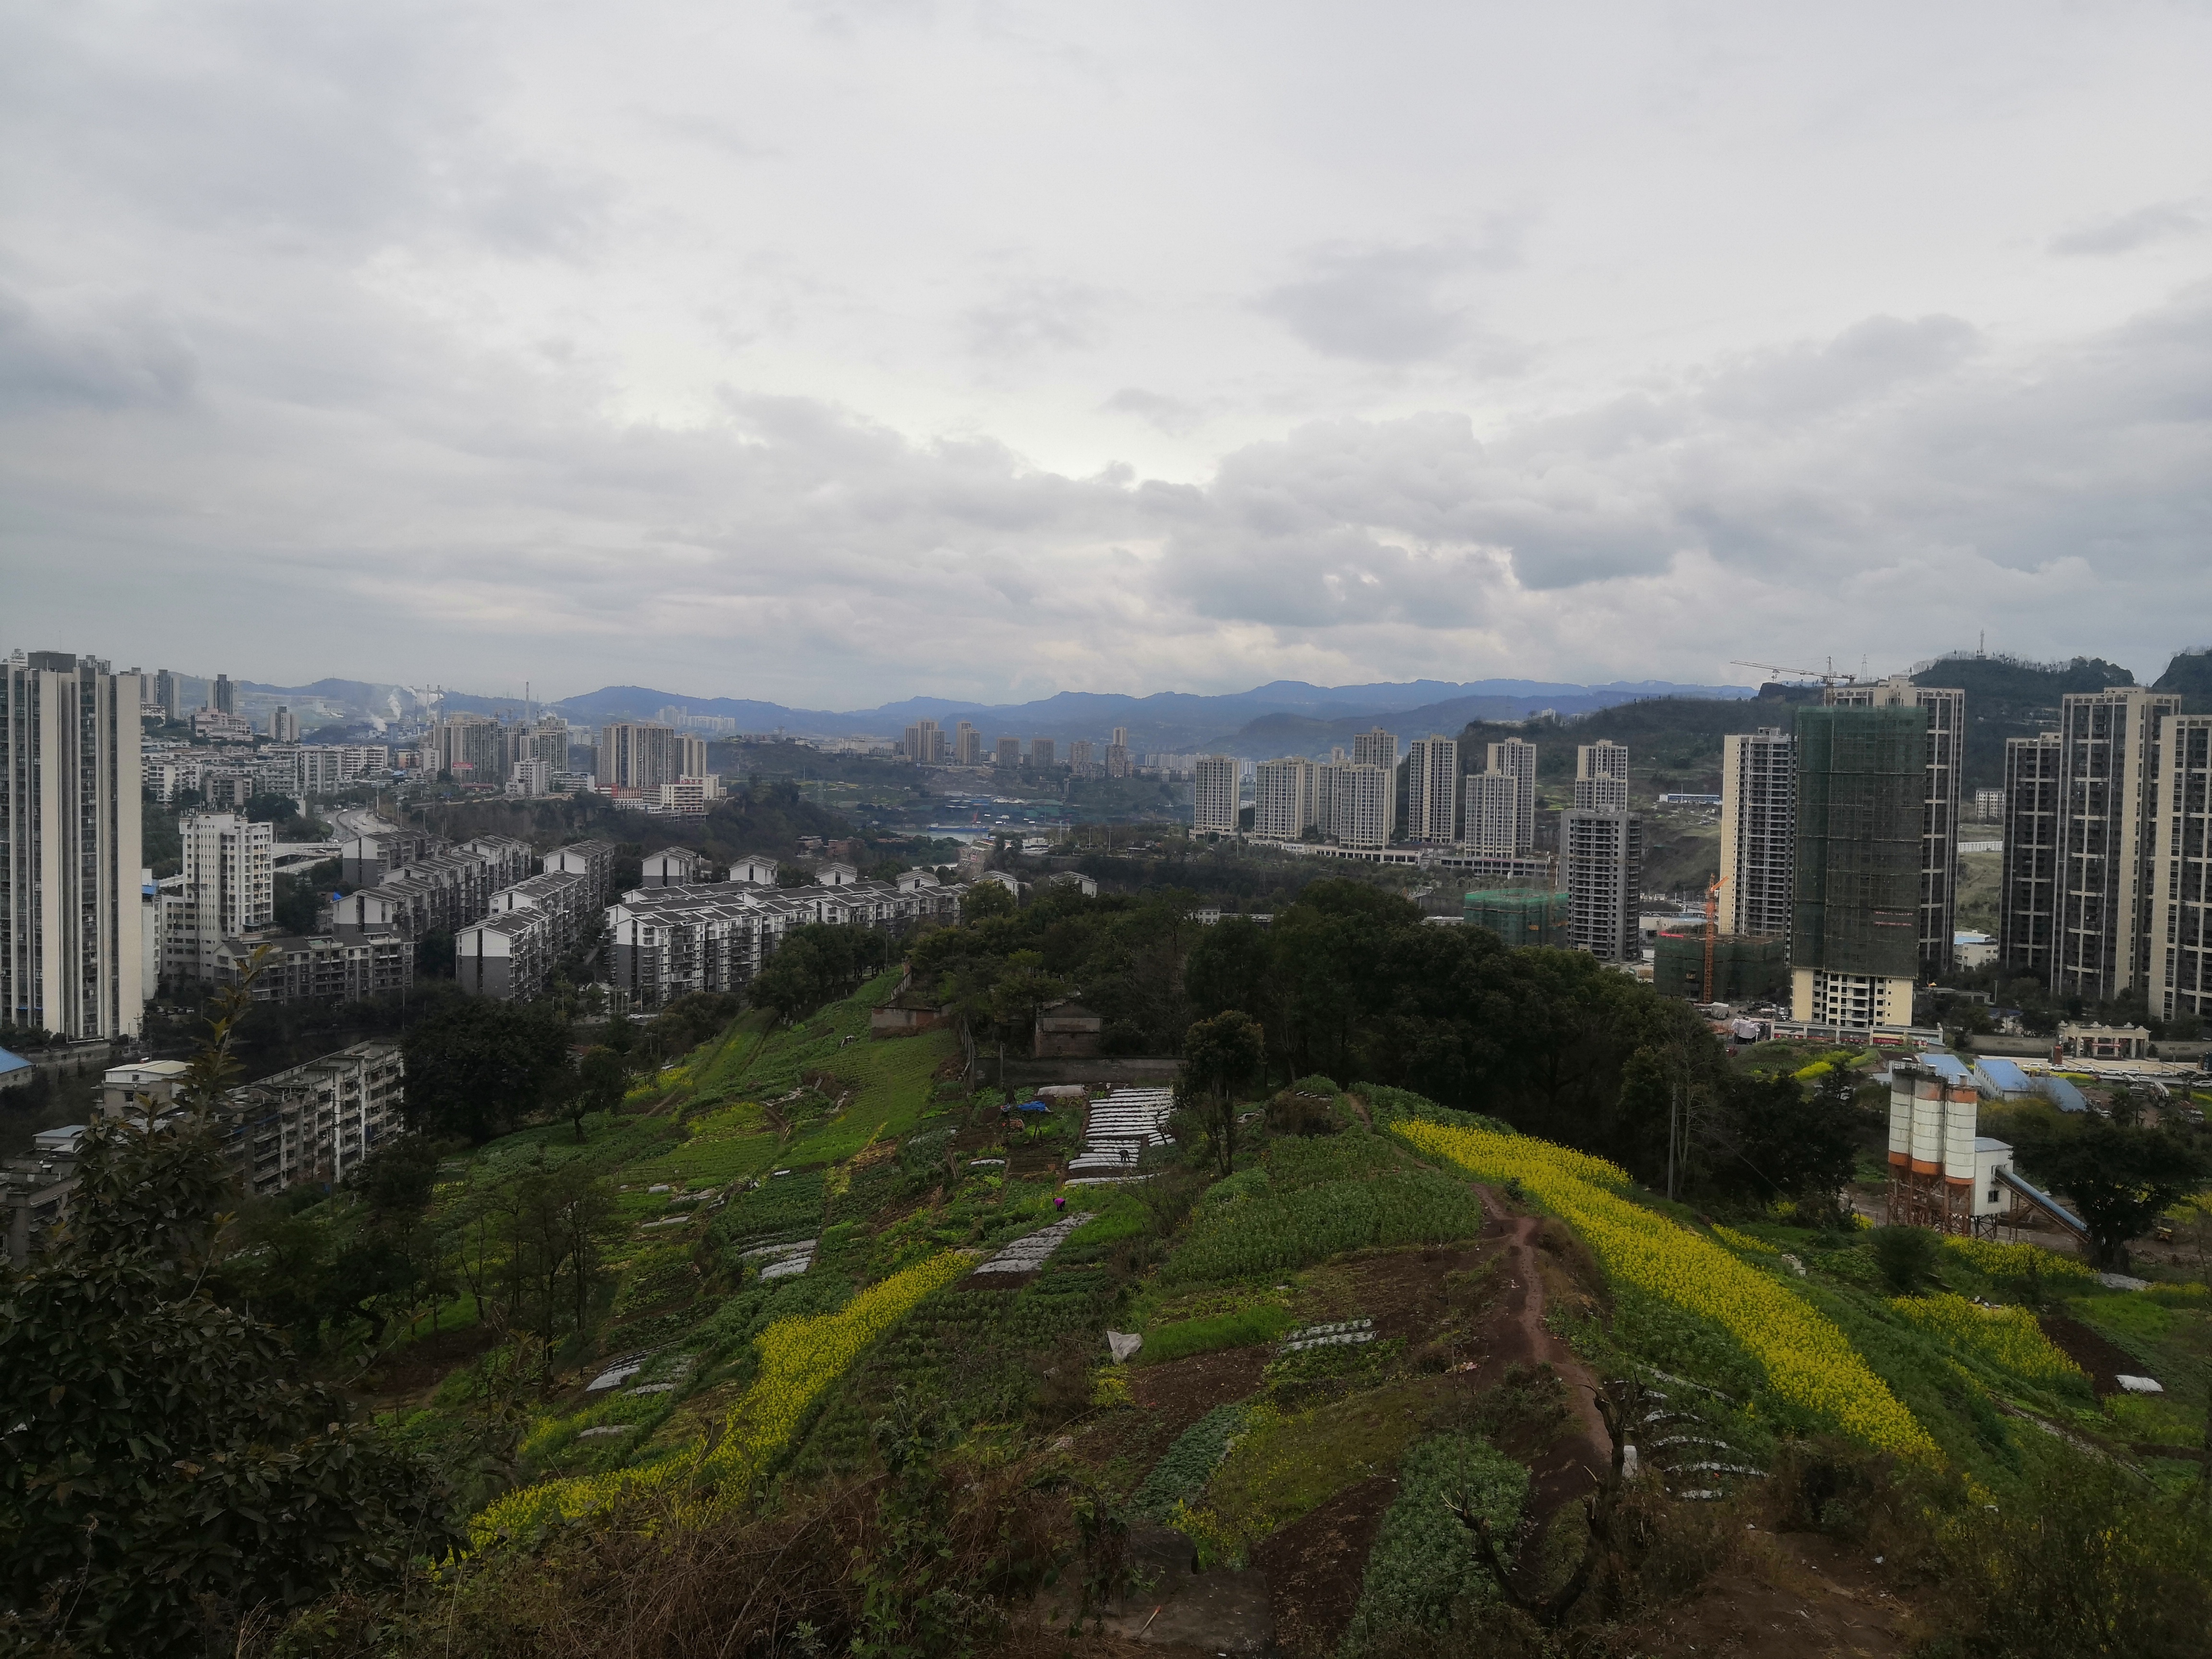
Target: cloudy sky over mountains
833,352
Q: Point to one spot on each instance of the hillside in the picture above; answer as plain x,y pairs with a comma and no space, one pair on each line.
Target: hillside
2190,674
793,1254
2007,698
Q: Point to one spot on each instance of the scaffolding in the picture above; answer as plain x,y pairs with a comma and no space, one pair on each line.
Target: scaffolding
1861,788
1747,967
1521,916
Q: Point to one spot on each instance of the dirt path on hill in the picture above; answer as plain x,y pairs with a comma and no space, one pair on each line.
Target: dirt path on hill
1571,1465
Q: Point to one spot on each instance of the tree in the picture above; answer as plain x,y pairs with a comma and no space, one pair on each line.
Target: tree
1771,1140
987,898
1220,1056
1905,1256
602,1079
2119,1178
477,1066
166,1471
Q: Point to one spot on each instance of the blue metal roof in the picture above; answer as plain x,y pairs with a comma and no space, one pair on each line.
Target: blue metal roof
1953,1069
11,1062
2062,1094
2005,1077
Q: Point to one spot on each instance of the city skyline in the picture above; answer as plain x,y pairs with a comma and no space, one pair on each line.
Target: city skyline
487,343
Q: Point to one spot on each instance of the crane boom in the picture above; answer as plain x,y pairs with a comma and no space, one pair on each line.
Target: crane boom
1826,676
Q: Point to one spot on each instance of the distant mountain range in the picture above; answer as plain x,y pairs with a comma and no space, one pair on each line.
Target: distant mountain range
1287,716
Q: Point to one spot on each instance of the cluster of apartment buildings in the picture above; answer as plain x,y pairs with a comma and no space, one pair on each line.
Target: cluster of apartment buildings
2107,834
684,931
310,1123
925,744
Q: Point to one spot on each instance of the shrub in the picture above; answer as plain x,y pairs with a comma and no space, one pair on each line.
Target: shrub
1907,1256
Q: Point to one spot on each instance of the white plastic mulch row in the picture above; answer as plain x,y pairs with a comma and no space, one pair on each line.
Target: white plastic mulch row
1118,1131
1341,1334
1031,1251
782,1261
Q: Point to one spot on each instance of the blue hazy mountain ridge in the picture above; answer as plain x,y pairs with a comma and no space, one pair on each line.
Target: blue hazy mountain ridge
1163,719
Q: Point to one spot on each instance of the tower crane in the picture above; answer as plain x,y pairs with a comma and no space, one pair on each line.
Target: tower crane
1826,676
1712,893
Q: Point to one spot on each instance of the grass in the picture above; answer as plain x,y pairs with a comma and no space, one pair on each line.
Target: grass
1242,1329
1288,1464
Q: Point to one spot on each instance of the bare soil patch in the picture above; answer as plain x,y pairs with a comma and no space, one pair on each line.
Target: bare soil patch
1795,1597
1316,1565
2105,1361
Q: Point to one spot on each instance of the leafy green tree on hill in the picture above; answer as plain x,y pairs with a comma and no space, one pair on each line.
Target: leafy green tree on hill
477,1066
166,1471
2120,1179
1221,1057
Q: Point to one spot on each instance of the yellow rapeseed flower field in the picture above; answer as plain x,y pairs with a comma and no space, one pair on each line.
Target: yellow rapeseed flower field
2008,1336
2017,1260
799,1359
1807,1360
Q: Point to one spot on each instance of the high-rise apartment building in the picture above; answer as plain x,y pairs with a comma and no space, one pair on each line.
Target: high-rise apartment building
1433,789
1357,804
1039,754
923,743
1604,853
966,746
1375,748
637,755
1285,800
1855,928
1517,759
690,756
469,747
1079,759
71,910
1118,764
2180,979
1758,832
229,887
169,693
223,695
2108,760
1939,809
284,725
2033,808
1009,752
1213,794
1601,776
1492,820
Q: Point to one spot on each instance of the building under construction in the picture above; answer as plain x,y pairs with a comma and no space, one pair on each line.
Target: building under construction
1522,916
1855,933
1747,967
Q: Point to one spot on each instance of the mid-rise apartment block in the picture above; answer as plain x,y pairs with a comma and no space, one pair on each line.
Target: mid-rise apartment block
1214,795
1119,763
70,894
1007,753
1375,748
2109,761
1601,776
316,968
1604,856
2033,810
316,1122
923,743
1854,929
1432,790
638,755
1758,832
1285,799
1517,759
2180,949
1358,805
1040,753
1491,822
229,888
1939,813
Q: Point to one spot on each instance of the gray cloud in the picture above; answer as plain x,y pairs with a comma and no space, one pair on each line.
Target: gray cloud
2162,222
1030,318
1374,305
1172,416
121,356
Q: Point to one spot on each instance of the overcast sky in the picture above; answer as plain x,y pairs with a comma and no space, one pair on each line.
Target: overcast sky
840,350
